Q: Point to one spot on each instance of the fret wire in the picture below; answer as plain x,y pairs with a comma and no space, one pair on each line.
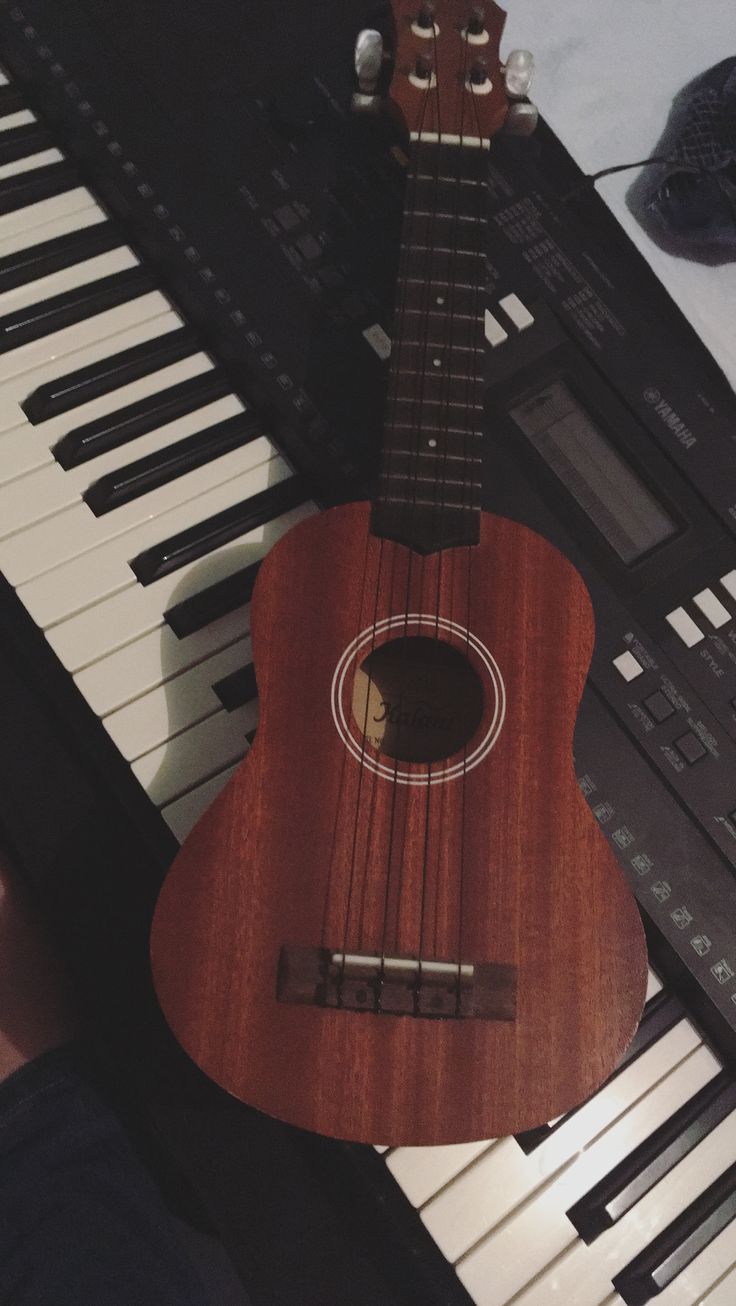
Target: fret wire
466,435
454,317
440,281
437,376
430,480
441,249
429,503
442,344
446,217
432,454
452,181
438,403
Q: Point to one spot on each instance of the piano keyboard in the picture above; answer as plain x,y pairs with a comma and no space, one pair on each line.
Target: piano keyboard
137,495
629,1198
133,483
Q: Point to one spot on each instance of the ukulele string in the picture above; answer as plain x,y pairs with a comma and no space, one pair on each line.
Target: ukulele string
441,503
413,478
336,827
383,547
472,472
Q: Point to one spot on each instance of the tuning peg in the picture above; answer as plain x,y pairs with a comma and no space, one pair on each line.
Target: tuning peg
521,119
425,19
518,73
368,67
368,59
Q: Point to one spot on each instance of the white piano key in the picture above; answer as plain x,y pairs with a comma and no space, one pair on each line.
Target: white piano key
194,756
722,1293
465,1211
21,118
77,274
119,619
182,815
524,1244
49,488
104,569
18,387
151,659
60,351
710,1279
39,160
59,540
21,221
422,1171
176,705
583,1274
79,220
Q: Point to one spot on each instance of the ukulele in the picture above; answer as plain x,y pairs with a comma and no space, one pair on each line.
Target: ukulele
400,922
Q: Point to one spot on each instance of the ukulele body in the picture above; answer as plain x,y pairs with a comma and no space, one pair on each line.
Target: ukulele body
325,841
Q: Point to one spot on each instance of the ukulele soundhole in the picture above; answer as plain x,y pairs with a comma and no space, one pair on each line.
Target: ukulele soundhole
417,699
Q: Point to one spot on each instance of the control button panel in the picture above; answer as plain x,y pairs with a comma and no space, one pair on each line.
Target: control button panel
711,607
518,312
690,748
659,706
684,626
495,333
627,666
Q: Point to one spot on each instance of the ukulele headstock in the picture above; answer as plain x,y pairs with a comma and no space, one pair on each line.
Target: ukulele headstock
446,78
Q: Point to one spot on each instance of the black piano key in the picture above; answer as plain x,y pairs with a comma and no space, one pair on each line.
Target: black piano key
11,100
660,1014
213,602
165,465
114,429
26,188
208,535
20,142
237,689
77,388
52,255
615,1194
677,1245
38,320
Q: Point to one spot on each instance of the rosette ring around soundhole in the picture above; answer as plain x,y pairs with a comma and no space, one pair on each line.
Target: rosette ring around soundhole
418,699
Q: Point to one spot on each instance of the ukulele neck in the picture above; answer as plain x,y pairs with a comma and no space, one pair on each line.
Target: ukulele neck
430,478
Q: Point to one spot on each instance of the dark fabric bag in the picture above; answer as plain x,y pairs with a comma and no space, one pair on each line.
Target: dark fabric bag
688,205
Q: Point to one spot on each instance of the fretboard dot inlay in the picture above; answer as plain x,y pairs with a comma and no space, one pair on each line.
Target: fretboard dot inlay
432,444
437,362
440,299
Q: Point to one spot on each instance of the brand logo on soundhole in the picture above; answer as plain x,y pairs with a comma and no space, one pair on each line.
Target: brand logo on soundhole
422,717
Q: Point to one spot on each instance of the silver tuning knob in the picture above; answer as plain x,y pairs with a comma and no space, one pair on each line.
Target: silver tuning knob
518,74
368,66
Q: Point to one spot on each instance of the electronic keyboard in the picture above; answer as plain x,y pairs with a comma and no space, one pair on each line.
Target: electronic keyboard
145,468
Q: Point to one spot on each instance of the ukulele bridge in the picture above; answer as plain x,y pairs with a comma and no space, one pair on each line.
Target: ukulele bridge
396,986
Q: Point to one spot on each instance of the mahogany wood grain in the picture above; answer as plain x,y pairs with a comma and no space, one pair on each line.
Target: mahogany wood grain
270,862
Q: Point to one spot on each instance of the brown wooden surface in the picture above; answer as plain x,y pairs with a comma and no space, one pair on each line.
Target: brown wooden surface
269,863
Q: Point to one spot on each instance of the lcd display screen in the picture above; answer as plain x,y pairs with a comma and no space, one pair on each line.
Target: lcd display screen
592,470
